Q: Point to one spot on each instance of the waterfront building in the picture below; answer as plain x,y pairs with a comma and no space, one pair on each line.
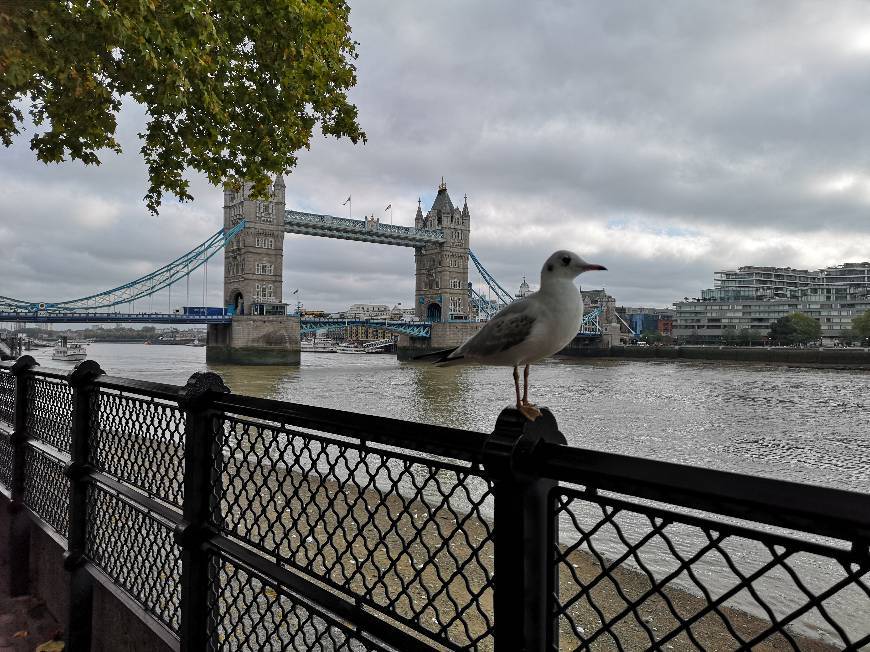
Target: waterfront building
752,298
525,290
368,311
643,319
366,333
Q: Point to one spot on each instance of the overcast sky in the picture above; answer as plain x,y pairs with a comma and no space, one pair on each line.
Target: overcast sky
664,140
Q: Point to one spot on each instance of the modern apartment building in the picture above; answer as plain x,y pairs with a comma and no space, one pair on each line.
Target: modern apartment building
754,297
645,320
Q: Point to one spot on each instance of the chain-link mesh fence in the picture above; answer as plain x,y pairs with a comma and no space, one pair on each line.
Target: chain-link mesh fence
46,489
632,576
135,548
250,612
49,413
6,462
139,440
7,399
406,534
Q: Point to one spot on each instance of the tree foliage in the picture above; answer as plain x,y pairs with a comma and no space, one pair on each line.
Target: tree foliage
796,328
233,88
861,326
748,336
782,331
807,329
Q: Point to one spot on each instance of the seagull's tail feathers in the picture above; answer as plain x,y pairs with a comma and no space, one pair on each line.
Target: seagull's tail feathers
443,358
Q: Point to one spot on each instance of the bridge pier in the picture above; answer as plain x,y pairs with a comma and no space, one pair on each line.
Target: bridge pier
254,340
444,335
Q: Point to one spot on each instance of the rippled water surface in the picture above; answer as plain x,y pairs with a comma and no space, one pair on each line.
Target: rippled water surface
809,425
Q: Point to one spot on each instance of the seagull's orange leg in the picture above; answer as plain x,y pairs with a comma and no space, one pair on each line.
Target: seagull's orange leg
526,385
529,411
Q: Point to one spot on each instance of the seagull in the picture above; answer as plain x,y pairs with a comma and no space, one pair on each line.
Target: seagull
529,329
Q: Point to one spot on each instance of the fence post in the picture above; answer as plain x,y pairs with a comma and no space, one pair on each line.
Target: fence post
81,590
19,524
523,577
199,468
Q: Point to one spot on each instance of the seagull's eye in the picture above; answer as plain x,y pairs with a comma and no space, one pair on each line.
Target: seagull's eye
566,260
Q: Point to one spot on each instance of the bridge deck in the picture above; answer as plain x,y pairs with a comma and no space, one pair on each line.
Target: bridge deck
110,317
327,226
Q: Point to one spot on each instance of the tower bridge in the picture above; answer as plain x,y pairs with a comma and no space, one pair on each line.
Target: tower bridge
254,326
253,261
253,257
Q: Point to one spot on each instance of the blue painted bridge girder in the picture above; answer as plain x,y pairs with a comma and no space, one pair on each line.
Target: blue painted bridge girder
110,318
369,230
412,328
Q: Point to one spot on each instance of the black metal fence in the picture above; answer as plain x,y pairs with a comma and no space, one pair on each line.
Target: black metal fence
227,522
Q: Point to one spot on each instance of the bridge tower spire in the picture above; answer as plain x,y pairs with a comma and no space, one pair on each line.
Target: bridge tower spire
254,259
442,268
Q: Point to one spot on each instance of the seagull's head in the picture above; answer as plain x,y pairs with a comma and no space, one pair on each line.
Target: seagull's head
566,265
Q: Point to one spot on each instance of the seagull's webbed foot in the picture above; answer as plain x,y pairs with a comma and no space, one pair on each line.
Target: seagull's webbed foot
529,411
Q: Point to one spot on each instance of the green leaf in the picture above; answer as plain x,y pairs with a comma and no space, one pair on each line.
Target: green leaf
232,89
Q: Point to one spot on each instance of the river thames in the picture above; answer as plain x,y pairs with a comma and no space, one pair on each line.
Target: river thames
802,424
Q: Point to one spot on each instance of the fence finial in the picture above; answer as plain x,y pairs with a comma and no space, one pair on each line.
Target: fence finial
84,371
202,383
22,363
515,437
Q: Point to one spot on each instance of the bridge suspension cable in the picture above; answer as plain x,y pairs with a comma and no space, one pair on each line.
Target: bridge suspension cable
502,295
142,287
484,306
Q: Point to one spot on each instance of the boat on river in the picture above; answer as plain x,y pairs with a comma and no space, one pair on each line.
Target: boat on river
322,345
176,339
69,351
349,348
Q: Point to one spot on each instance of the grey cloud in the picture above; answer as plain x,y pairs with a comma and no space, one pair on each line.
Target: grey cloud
551,116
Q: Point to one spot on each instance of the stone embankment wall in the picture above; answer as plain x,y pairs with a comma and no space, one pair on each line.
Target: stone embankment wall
445,335
815,356
255,340
114,627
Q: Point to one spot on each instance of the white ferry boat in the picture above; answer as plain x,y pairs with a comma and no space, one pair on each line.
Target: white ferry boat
69,351
349,348
322,345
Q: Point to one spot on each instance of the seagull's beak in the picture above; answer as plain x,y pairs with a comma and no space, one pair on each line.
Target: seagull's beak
591,267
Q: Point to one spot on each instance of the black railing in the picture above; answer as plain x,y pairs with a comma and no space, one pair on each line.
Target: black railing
227,522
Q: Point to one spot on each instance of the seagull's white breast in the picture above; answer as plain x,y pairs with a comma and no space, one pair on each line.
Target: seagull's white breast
557,319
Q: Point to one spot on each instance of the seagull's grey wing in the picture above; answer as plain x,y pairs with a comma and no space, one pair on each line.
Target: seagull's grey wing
508,328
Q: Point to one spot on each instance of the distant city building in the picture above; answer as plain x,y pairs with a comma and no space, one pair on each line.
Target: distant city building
365,333
647,320
398,313
524,290
752,298
368,311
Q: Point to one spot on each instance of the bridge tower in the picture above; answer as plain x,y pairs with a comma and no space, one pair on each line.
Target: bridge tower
253,260
442,269
261,332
